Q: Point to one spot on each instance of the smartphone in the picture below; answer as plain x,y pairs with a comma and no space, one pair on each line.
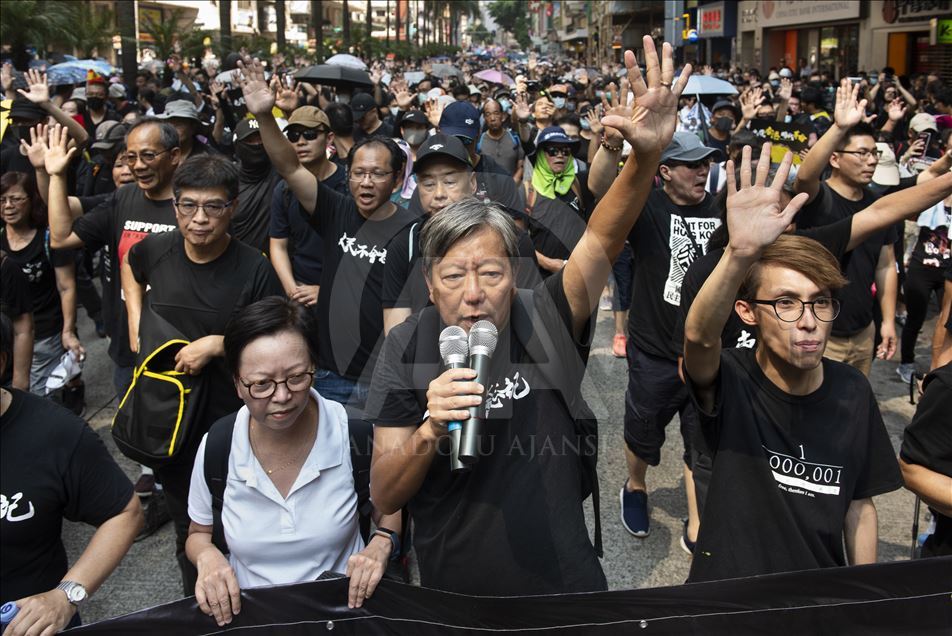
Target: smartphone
926,136
289,81
855,80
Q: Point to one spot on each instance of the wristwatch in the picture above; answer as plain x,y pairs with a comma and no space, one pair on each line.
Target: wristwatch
386,533
75,592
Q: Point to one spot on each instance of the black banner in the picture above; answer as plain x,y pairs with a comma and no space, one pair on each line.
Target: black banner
906,597
784,137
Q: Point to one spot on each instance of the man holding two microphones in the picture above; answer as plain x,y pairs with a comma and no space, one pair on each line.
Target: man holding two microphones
502,515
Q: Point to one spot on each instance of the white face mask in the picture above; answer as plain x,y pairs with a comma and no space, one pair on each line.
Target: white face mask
344,98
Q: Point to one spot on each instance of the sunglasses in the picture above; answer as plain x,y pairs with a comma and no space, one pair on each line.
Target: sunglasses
692,165
553,151
310,134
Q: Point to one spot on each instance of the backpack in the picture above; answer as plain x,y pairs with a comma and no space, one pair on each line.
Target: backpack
218,449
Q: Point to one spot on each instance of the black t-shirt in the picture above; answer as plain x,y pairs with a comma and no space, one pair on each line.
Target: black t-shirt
289,221
834,237
556,225
927,441
11,160
494,184
858,265
120,222
53,467
786,469
932,247
200,298
349,307
514,524
38,262
250,222
15,297
404,283
666,239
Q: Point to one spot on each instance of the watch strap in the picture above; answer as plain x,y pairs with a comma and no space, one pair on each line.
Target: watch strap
394,537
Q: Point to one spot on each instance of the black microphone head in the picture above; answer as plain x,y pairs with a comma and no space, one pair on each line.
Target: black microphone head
454,345
483,337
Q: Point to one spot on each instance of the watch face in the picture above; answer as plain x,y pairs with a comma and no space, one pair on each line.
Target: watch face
76,593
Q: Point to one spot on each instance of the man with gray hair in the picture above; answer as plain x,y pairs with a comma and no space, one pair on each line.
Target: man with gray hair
513,523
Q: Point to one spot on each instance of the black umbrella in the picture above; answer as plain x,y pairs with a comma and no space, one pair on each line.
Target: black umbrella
329,75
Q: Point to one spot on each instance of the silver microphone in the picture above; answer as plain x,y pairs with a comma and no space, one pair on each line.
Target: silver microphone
483,338
454,350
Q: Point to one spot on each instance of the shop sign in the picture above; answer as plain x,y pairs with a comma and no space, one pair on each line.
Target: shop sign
913,10
711,20
774,13
944,31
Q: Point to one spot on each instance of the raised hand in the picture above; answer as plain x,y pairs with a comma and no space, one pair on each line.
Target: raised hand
520,106
258,97
754,216
401,93
849,111
36,148
896,109
750,101
216,88
434,110
707,70
59,150
652,124
286,97
6,77
786,88
619,107
39,92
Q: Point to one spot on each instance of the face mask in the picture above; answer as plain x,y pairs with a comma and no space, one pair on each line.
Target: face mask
585,125
505,104
251,156
95,103
344,98
724,124
559,102
775,83
421,98
414,137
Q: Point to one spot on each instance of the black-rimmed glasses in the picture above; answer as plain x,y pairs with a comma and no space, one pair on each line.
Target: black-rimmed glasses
826,309
147,156
265,388
190,208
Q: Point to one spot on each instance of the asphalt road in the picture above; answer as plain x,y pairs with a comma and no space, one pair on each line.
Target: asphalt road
148,575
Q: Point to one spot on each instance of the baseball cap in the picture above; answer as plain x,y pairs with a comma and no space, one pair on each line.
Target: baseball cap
245,128
887,170
415,117
441,145
361,104
117,91
79,93
108,134
552,136
922,122
461,119
685,146
726,103
786,72
180,109
309,117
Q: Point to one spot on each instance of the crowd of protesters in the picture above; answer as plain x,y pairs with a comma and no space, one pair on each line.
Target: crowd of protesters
306,244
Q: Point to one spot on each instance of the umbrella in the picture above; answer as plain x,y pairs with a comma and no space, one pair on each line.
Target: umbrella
328,75
446,70
708,85
494,77
345,59
74,71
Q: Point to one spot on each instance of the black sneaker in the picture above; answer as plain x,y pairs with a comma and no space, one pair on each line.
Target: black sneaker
74,398
145,486
156,516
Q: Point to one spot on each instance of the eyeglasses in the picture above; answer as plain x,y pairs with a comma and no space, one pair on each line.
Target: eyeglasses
692,165
553,151
310,134
862,155
147,156
13,200
825,309
376,176
265,388
189,208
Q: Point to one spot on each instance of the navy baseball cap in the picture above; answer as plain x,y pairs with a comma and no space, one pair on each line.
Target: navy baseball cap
552,136
460,119
441,145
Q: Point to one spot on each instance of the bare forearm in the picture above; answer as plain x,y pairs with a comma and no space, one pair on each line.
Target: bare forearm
279,149
603,171
619,209
808,176
133,293
889,126
942,339
898,206
43,185
60,217
887,287
219,128
932,487
281,263
22,351
76,130
106,548
399,472
861,532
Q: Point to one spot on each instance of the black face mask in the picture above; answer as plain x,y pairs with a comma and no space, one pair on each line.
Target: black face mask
95,103
251,156
724,124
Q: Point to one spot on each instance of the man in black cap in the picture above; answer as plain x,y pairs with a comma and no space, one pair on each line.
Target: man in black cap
28,110
724,117
110,136
672,231
444,176
414,127
367,117
257,180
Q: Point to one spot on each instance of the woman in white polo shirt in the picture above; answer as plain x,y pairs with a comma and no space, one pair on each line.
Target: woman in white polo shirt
290,508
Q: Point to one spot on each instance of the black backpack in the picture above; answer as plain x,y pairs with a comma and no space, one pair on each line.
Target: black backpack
218,448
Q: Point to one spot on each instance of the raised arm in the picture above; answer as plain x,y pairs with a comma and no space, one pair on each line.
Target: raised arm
648,129
61,213
754,220
898,206
39,94
260,100
604,166
847,114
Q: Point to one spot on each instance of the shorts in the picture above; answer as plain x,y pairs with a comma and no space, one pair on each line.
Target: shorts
655,393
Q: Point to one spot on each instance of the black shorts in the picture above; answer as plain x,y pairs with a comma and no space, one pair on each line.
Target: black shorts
655,393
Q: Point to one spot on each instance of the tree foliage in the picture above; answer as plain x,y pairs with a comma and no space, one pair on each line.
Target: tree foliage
33,23
511,16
